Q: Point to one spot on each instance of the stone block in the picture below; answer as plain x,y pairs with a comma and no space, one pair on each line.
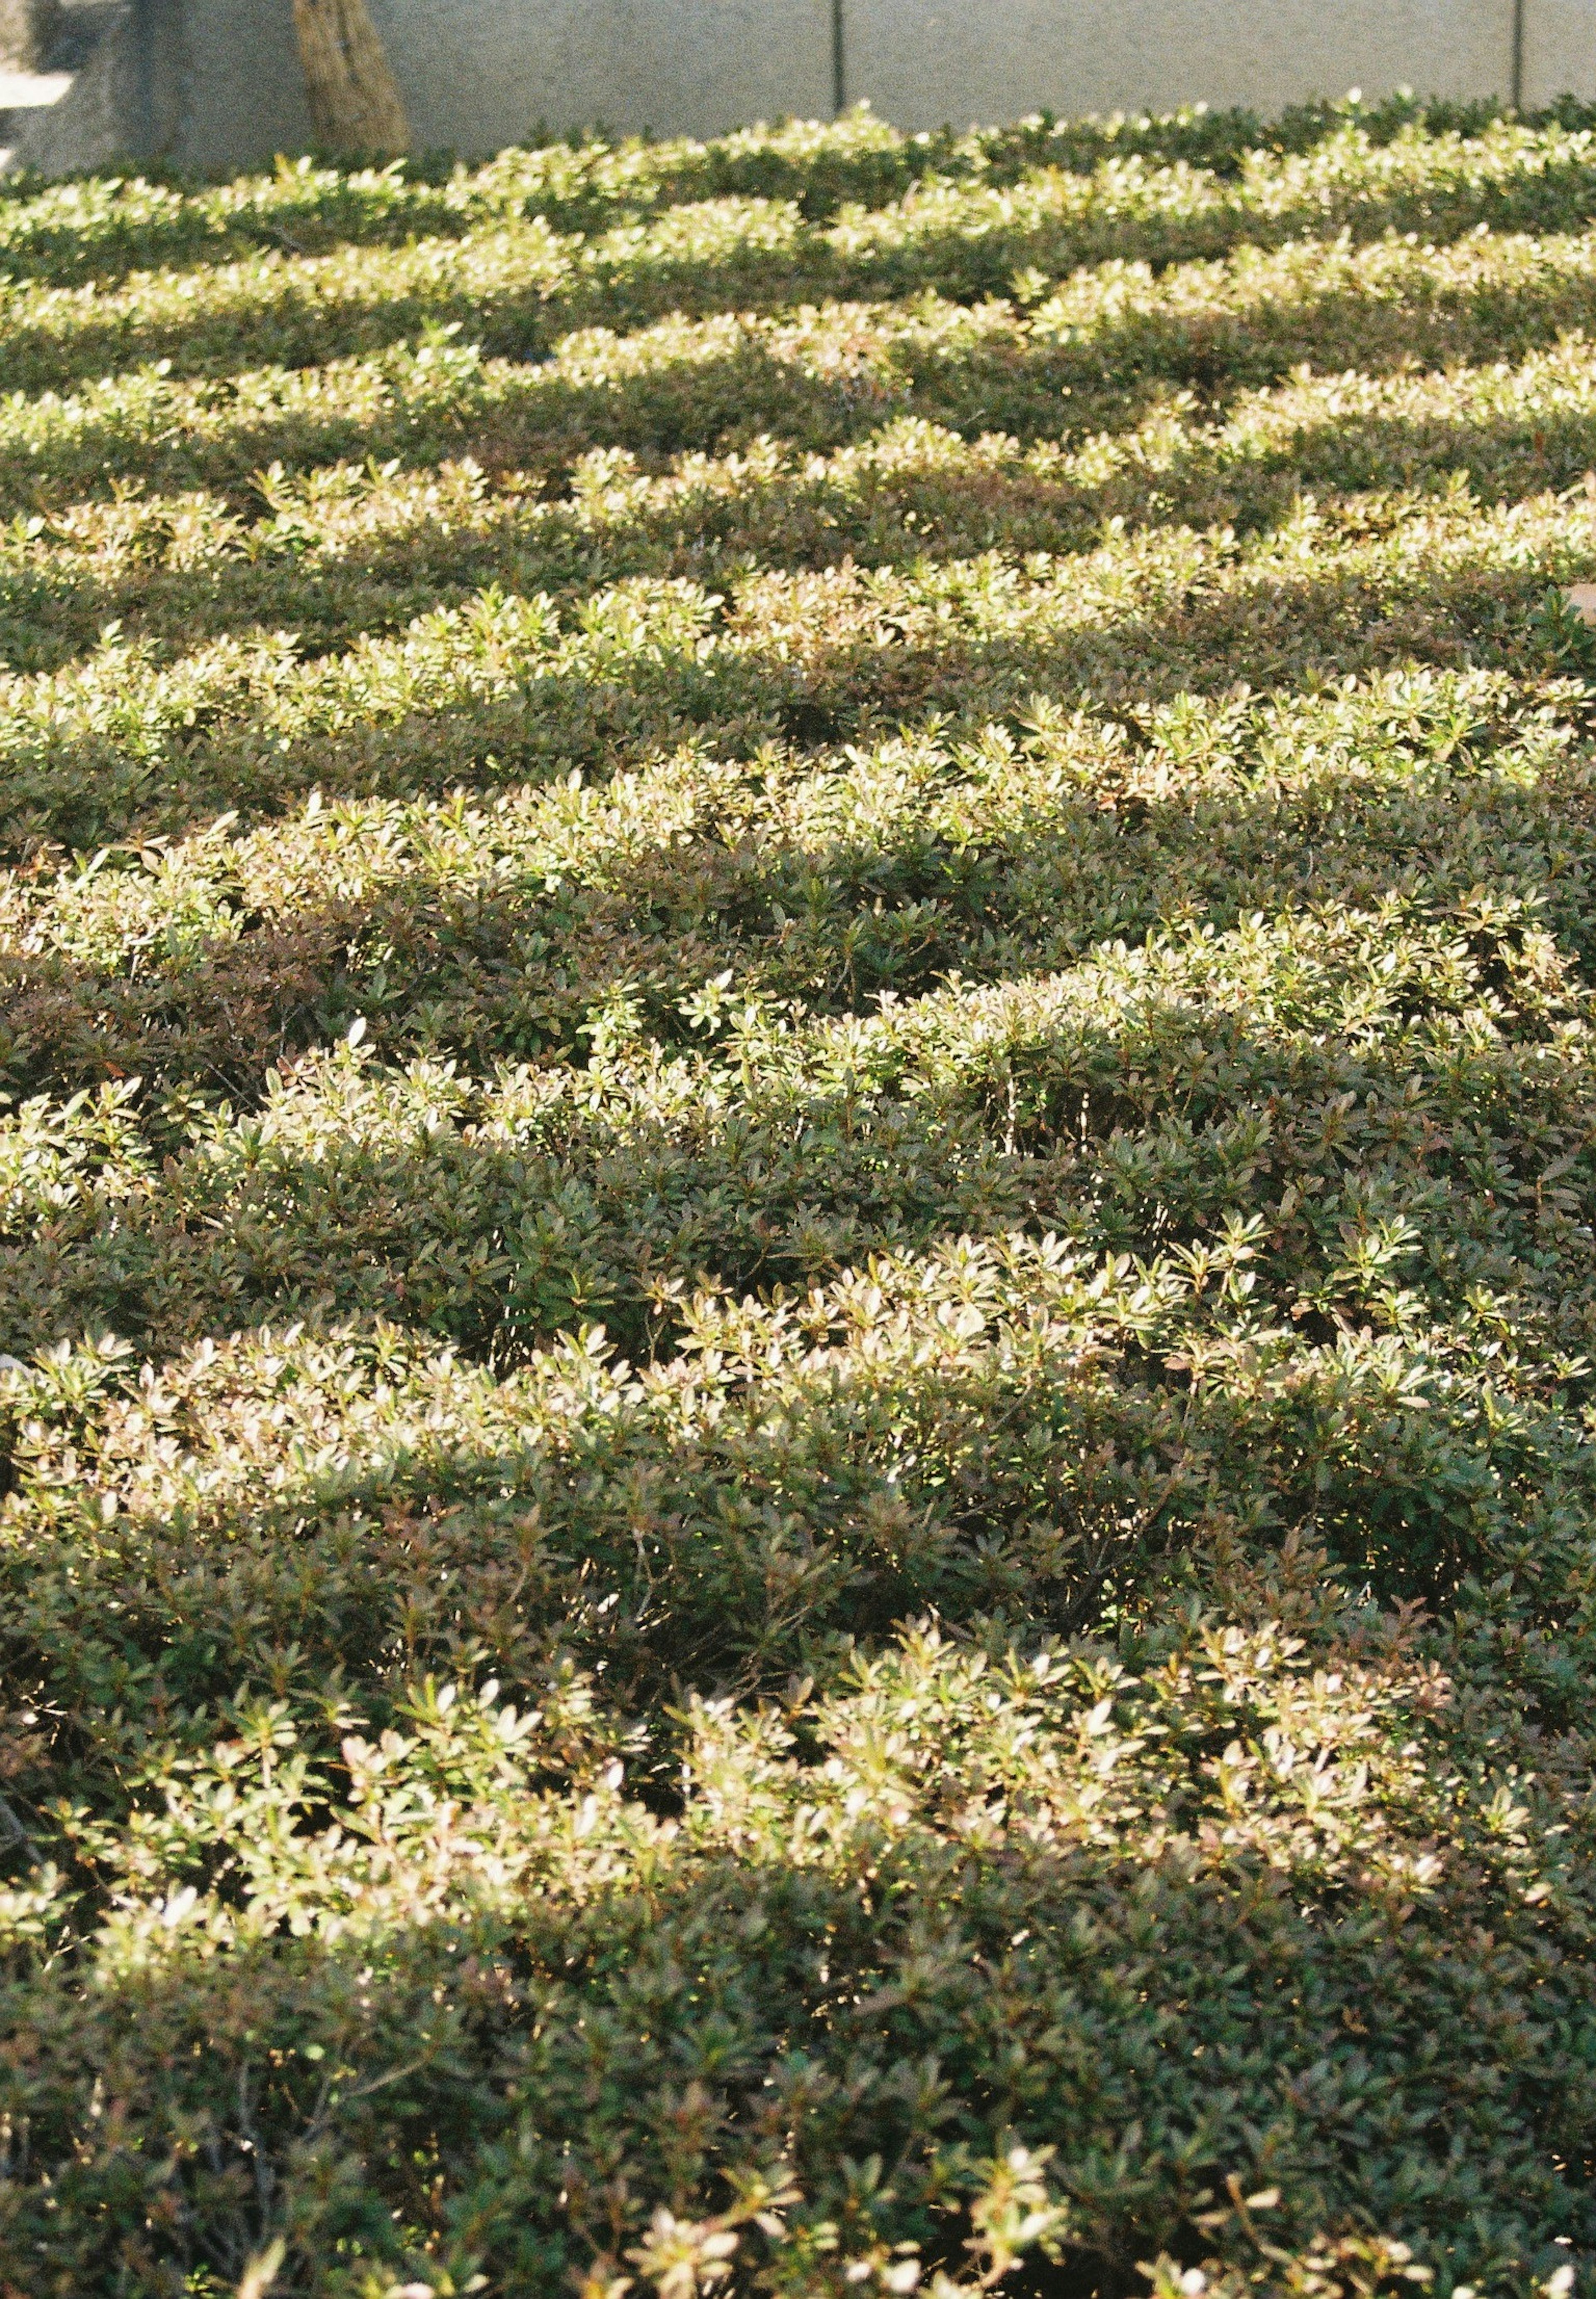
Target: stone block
28,30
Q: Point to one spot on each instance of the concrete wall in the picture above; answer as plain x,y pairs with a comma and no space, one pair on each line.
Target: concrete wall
223,91
1559,48
922,61
479,73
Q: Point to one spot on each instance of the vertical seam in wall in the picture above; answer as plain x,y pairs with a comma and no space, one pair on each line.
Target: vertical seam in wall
839,57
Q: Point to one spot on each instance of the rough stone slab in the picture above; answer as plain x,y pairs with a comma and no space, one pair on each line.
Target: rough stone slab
28,29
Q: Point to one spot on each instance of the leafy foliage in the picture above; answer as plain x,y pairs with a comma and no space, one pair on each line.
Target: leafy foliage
798,1218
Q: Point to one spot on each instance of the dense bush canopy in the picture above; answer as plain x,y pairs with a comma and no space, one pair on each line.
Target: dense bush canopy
797,1181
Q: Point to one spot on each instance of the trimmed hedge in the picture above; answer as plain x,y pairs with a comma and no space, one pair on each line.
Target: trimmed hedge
798,1218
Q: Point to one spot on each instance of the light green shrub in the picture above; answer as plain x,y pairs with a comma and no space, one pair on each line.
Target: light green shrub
797,1273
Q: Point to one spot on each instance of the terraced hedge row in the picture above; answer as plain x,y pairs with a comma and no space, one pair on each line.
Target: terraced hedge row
797,1182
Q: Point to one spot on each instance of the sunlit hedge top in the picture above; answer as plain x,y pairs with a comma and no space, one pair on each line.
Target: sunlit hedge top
797,1278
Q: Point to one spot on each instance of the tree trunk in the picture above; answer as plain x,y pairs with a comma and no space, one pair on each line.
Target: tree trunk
354,104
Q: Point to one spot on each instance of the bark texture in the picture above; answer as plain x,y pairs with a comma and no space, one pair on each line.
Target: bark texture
355,105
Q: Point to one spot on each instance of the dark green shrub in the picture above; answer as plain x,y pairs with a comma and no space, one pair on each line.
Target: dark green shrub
797,1193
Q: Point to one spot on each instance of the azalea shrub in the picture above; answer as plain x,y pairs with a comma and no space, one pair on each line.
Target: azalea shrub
798,1218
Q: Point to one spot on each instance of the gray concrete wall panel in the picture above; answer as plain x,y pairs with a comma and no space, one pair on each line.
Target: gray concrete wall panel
1559,49
478,74
677,67
244,98
922,62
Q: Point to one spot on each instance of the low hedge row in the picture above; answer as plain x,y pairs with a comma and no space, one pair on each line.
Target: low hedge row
797,1256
